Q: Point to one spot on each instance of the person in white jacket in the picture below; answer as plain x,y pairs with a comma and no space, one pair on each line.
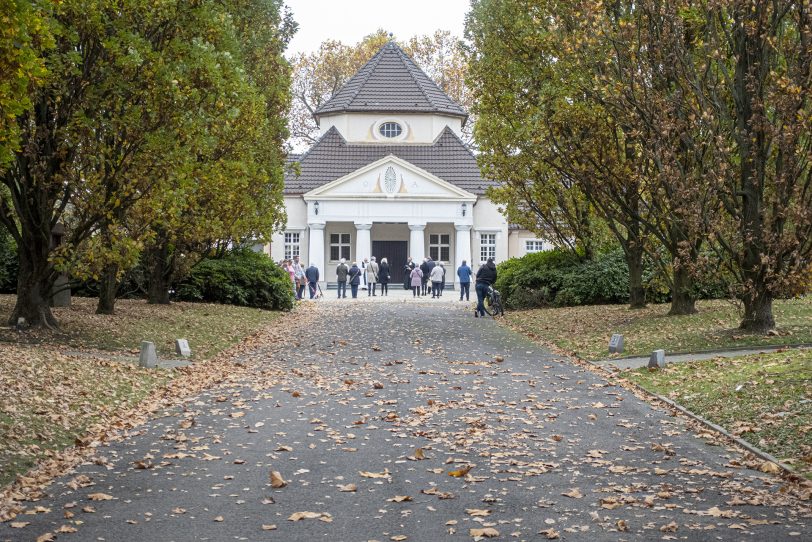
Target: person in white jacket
436,278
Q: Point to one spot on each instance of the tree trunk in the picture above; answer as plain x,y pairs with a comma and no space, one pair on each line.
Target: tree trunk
108,287
758,312
682,300
634,259
158,261
35,280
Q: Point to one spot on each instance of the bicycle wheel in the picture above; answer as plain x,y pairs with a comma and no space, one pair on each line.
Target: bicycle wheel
491,308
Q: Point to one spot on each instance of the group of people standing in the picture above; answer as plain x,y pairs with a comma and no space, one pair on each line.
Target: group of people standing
428,278
371,273
302,277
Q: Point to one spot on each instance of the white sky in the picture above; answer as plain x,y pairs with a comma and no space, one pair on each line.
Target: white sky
351,20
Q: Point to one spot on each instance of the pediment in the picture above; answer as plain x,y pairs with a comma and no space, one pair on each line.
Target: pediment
390,178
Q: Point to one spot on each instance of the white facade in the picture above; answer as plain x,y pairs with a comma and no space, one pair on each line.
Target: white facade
382,204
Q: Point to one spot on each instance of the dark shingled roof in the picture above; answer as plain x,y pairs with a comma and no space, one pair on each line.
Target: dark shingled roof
391,82
331,157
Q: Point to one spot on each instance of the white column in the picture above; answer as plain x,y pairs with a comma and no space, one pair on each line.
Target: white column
363,242
315,249
417,242
463,248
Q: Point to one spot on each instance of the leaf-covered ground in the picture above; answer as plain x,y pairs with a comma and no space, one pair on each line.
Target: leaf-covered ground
208,328
765,399
50,397
392,423
49,400
587,330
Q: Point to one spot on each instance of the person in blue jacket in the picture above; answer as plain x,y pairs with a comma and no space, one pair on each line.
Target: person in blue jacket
354,276
312,275
464,273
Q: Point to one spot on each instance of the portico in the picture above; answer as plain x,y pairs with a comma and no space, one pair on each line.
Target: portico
388,200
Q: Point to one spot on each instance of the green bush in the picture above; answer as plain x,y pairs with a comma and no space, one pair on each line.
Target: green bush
242,277
560,278
8,263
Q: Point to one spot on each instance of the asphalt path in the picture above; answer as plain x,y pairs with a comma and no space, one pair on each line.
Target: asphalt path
369,412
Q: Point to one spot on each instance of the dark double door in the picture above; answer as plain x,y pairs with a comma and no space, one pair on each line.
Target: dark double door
395,253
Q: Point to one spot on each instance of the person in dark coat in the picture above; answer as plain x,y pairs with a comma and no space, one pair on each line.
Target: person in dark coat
430,264
464,273
485,277
312,275
424,268
354,276
341,278
407,271
442,283
384,276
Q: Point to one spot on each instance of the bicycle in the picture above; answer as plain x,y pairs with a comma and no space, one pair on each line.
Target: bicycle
493,303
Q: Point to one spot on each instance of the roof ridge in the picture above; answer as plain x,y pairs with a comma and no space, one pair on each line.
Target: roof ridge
312,147
458,138
406,61
376,58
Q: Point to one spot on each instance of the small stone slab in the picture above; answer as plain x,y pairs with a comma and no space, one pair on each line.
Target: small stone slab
657,359
616,343
182,348
148,357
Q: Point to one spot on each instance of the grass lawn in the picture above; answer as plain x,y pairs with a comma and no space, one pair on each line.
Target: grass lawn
49,397
209,328
586,330
49,400
772,409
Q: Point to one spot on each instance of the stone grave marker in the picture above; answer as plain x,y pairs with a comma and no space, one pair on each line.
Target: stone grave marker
657,359
616,343
182,348
149,357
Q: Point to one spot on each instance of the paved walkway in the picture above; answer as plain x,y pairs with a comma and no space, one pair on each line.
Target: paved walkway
370,415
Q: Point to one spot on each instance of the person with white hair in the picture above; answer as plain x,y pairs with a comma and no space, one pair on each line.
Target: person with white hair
341,278
372,276
312,275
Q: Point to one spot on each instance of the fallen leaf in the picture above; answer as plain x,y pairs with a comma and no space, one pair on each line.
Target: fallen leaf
296,516
218,519
550,533
276,480
400,498
100,497
269,527
366,474
573,493
487,532
477,512
348,488
459,473
19,524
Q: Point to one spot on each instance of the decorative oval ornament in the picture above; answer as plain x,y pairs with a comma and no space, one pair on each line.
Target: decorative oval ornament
390,180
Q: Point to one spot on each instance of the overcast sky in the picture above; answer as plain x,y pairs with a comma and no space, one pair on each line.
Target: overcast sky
351,20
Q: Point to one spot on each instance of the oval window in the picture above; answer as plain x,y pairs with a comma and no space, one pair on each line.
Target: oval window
390,129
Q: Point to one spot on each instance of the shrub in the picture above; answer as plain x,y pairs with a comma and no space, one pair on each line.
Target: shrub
8,263
241,277
560,278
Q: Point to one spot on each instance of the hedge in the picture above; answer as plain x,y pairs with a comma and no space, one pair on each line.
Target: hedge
242,277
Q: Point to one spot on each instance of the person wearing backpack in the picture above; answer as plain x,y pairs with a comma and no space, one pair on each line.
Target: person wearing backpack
354,278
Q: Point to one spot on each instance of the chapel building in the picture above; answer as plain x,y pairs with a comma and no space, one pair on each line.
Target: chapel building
390,177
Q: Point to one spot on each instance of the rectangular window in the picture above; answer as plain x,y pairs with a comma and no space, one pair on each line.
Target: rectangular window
487,246
339,246
291,245
533,245
440,247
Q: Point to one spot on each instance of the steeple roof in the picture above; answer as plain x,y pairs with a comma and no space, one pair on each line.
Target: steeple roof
391,83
